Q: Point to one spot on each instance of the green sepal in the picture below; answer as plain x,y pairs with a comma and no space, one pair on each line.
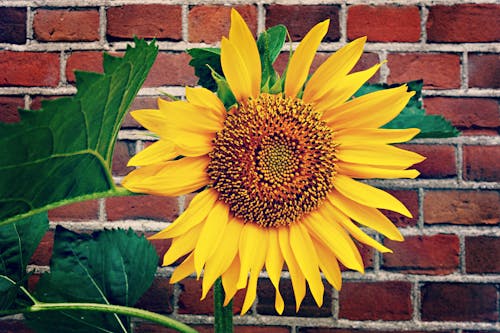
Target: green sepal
269,45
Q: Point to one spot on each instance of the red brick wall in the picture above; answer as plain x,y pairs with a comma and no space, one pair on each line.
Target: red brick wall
444,278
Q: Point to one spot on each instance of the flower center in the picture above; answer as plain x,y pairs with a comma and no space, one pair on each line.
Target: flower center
273,161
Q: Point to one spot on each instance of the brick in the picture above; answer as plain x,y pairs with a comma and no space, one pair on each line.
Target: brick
83,61
384,23
161,246
463,23
388,300
481,163
85,210
43,252
36,101
438,70
208,23
158,298
466,113
462,207
163,22
124,150
14,326
481,254
8,109
171,69
439,162
367,255
410,200
308,308
435,255
140,102
13,25
459,302
69,25
341,330
29,69
300,19
145,327
142,207
484,70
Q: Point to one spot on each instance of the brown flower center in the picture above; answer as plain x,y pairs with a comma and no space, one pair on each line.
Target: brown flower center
273,161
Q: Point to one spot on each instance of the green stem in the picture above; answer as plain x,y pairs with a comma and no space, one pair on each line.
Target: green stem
223,314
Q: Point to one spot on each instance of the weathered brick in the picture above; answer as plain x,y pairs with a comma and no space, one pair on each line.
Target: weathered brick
462,207
439,162
171,69
8,108
29,69
439,71
463,23
481,254
124,150
300,19
142,207
484,70
459,302
308,308
158,298
384,23
50,25
85,210
43,252
89,61
438,254
481,163
144,21
410,200
388,300
13,25
209,23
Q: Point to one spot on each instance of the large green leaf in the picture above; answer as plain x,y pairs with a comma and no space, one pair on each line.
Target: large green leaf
109,267
204,61
63,152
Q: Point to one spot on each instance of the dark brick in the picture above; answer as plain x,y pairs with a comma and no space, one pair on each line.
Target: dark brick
8,109
12,25
481,254
484,70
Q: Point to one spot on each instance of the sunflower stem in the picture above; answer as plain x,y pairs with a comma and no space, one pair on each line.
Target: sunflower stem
223,314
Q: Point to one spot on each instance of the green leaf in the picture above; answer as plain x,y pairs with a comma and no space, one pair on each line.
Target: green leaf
414,115
18,242
224,91
62,153
269,44
109,267
204,61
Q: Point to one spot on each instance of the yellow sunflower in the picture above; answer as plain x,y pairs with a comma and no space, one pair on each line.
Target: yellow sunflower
277,171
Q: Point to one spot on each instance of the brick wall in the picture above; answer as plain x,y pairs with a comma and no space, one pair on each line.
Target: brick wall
444,278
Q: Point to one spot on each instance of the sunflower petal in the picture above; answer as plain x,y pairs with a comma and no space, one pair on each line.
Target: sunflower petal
230,279
250,235
375,135
204,98
181,246
274,265
160,151
235,70
152,119
183,270
370,171
189,117
373,154
329,266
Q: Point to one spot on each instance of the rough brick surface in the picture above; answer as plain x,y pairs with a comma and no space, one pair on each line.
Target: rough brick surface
8,108
462,207
484,70
384,23
171,69
481,254
144,21
459,302
481,163
124,150
13,25
410,200
209,23
83,61
439,71
439,162
300,19
464,23
159,297
29,69
66,25
436,254
375,301
142,207
85,210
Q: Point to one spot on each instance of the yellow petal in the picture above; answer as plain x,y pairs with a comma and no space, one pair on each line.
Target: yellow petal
250,236
333,70
370,171
171,178
305,254
355,136
274,265
230,279
151,119
368,195
368,216
182,245
235,70
301,60
211,234
204,98
183,270
329,266
160,151
373,154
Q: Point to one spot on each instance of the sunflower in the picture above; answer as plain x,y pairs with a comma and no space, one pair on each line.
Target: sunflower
275,174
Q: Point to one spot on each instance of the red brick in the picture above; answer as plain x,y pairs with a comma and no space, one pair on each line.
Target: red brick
83,61
438,254
8,109
410,200
209,23
36,101
29,69
308,308
145,21
367,255
14,326
141,102
466,113
484,70
342,330
158,298
85,210
161,246
439,162
66,25
459,302
43,252
375,301
384,23
13,25
439,71
464,23
145,327
142,207
481,163
462,207
124,150
481,254
171,69
300,19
